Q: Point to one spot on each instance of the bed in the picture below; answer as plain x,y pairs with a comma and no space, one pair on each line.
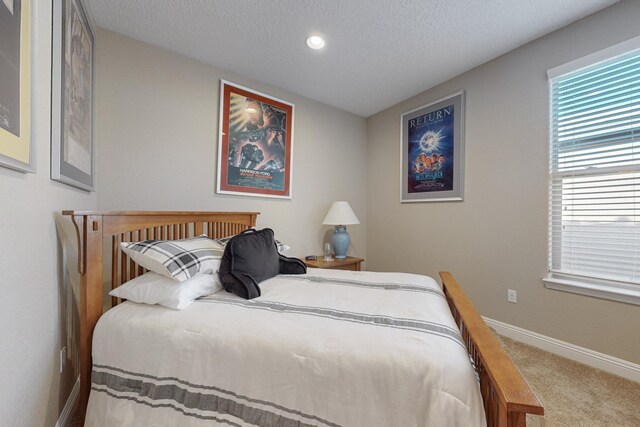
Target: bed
333,347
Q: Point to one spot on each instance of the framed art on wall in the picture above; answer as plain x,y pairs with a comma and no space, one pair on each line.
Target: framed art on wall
255,144
432,151
72,99
15,85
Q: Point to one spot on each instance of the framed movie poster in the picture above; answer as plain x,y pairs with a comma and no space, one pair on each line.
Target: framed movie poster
15,85
72,101
255,145
432,151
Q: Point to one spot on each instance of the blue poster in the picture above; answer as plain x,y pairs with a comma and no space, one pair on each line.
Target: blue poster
430,151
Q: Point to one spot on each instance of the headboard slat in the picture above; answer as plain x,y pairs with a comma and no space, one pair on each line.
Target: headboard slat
132,264
123,263
114,266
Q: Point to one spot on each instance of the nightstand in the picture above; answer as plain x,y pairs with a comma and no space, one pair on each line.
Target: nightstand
348,263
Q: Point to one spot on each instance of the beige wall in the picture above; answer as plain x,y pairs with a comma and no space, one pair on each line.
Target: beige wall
158,135
157,127
497,237
32,389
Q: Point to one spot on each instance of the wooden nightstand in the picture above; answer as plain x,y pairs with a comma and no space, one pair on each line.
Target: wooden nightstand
348,263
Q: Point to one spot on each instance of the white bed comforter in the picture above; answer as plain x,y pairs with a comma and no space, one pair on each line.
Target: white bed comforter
329,348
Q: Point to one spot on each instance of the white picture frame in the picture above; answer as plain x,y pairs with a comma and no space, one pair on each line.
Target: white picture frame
16,145
73,148
432,151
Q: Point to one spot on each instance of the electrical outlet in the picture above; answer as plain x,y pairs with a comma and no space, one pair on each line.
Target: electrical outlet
512,296
63,358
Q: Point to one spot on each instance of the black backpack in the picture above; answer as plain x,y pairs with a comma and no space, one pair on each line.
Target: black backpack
252,257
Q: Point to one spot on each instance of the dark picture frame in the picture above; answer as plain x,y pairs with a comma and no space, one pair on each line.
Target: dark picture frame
72,99
255,144
432,151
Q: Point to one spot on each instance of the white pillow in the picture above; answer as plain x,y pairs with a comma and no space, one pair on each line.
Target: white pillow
177,259
152,288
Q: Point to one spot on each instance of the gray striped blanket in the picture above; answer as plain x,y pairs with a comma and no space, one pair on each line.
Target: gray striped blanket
329,348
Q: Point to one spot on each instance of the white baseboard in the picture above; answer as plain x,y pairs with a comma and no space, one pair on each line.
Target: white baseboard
67,411
589,357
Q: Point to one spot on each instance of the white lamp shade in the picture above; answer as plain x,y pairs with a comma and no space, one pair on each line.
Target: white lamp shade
340,214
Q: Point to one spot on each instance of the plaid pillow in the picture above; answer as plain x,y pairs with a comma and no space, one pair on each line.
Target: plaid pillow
224,240
176,259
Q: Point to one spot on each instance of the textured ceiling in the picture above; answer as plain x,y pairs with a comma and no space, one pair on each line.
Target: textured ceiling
378,52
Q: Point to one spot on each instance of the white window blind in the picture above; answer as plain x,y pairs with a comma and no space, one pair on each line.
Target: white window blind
594,224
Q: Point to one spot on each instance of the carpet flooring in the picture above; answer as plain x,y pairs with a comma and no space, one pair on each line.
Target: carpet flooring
572,394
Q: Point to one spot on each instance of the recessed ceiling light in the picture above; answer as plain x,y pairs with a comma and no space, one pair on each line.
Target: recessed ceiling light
315,42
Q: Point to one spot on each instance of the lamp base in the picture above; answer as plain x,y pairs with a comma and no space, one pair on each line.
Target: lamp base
340,241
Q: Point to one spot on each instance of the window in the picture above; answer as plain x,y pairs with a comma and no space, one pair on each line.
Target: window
594,184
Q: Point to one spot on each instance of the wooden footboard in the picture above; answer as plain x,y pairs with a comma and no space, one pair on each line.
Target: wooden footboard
507,397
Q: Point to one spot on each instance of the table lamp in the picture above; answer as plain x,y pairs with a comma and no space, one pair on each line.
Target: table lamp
340,215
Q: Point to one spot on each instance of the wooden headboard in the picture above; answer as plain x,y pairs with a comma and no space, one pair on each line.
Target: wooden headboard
94,229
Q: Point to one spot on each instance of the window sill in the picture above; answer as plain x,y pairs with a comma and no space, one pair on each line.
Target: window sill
594,288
